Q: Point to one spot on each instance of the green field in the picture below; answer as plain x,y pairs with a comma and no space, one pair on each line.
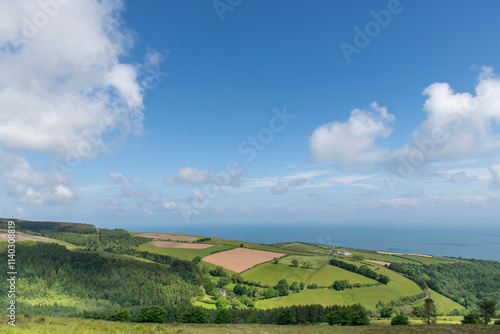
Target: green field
315,262
55,325
183,253
211,266
303,247
443,304
270,274
328,274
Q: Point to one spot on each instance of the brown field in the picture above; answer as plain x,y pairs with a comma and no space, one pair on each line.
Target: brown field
160,236
382,263
240,259
171,244
24,237
391,253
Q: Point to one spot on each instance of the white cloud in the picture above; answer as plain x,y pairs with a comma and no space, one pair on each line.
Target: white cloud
462,178
32,187
189,175
20,211
279,189
197,195
495,176
170,206
353,141
66,79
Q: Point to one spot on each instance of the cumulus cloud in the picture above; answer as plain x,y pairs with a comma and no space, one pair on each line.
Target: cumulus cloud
33,187
462,178
67,78
279,189
170,206
189,175
495,176
353,141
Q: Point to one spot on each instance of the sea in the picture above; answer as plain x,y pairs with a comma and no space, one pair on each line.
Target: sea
466,242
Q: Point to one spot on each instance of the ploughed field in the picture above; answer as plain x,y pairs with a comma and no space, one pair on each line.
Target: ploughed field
241,259
162,236
171,244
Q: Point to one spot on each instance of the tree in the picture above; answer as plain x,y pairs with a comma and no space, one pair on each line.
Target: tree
295,287
282,287
302,285
383,279
285,317
354,315
195,315
121,315
295,263
222,302
151,314
387,311
223,281
429,312
357,258
240,289
196,260
253,319
487,310
400,320
222,316
276,260
470,319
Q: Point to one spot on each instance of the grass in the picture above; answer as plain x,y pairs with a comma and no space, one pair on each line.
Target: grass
211,266
315,262
270,274
328,274
54,325
398,286
183,253
443,304
300,246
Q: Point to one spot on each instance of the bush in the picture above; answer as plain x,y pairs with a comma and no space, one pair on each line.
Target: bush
253,319
470,319
87,314
222,316
151,314
400,320
121,316
497,322
195,315
354,315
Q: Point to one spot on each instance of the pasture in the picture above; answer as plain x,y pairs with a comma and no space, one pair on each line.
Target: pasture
314,262
183,253
328,274
171,244
270,274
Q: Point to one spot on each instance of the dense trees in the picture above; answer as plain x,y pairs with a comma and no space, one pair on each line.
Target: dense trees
354,315
362,270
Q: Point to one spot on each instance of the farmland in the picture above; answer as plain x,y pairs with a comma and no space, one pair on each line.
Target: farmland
170,244
328,274
240,259
270,274
183,253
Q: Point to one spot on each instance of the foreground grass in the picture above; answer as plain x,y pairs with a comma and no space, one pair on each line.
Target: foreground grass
53,325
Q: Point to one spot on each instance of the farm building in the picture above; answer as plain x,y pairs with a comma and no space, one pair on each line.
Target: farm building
344,253
223,292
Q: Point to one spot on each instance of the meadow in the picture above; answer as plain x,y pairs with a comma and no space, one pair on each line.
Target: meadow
55,325
270,274
328,274
183,253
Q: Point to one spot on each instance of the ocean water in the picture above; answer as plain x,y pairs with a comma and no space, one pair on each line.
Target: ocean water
467,242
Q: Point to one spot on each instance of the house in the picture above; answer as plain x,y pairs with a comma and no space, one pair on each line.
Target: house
223,292
329,251
345,253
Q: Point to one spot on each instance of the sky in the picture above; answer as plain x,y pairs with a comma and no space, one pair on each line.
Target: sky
150,114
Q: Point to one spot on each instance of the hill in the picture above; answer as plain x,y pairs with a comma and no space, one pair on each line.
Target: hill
105,271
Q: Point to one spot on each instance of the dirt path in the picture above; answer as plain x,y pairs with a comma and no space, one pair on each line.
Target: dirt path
317,271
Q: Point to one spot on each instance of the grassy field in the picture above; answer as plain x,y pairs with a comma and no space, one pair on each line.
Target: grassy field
328,274
53,325
270,274
183,253
316,262
443,304
211,266
300,246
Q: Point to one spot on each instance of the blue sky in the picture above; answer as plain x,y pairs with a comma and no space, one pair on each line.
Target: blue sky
161,113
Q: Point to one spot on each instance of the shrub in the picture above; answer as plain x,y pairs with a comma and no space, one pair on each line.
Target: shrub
194,315
222,316
400,320
121,316
470,319
151,314
253,319
88,314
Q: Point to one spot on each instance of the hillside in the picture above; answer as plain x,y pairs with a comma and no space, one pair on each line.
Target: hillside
105,271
